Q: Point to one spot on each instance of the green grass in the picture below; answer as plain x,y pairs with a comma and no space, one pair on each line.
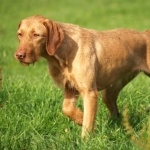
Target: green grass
30,104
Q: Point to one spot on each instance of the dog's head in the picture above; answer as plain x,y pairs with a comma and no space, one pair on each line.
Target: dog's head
37,36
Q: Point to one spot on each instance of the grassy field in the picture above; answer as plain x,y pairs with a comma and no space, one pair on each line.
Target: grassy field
30,104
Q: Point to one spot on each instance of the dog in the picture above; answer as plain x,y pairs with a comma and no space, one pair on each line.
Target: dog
85,61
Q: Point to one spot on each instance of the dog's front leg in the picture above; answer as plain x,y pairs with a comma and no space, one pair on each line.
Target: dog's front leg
69,106
90,109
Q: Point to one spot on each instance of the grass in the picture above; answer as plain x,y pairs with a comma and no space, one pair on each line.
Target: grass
30,104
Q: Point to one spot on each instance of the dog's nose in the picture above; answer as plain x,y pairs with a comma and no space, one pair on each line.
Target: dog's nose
21,55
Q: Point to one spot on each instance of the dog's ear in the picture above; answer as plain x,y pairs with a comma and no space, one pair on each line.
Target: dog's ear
54,37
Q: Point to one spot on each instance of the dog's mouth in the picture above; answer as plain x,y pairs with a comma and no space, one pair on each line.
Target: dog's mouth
27,63
27,60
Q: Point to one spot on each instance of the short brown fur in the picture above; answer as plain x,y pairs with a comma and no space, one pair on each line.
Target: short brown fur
84,61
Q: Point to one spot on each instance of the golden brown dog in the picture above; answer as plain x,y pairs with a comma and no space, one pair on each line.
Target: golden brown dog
84,61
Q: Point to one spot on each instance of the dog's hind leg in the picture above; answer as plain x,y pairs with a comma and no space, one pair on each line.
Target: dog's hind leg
109,97
110,94
148,74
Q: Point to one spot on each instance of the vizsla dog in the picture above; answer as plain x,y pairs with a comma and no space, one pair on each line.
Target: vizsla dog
84,61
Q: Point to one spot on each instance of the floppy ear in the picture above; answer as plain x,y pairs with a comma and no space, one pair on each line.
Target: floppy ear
54,37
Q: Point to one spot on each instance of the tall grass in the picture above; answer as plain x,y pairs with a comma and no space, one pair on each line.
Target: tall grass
30,104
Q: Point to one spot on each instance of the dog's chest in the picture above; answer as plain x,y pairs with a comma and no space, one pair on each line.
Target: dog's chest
62,77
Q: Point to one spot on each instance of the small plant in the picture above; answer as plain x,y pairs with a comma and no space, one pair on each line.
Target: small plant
140,139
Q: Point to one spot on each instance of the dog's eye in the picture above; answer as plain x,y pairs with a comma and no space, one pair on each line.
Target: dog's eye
36,35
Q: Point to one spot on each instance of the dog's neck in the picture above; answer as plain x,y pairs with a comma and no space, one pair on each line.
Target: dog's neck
60,64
